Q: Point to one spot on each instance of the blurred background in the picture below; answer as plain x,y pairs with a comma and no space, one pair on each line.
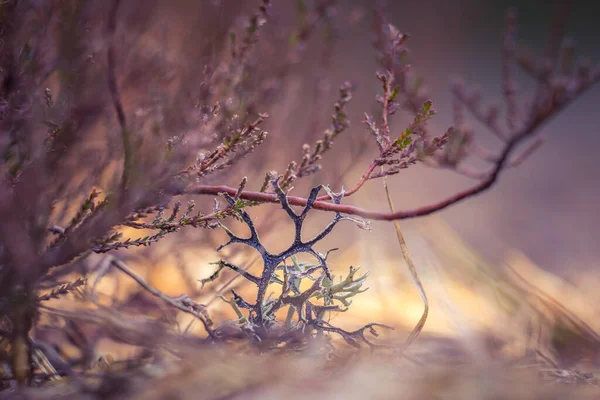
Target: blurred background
547,208
478,259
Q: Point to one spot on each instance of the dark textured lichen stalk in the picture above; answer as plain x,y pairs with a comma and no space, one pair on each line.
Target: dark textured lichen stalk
261,319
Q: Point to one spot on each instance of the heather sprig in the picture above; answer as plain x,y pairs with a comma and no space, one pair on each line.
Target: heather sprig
111,245
411,145
176,221
558,84
307,21
234,147
312,155
63,289
555,90
240,48
86,209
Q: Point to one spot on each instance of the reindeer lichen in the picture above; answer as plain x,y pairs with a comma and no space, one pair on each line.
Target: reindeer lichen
308,309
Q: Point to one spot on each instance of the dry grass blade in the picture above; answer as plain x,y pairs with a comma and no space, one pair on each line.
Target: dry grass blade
413,272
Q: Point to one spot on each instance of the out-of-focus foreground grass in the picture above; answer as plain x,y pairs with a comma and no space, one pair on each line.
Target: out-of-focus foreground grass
493,330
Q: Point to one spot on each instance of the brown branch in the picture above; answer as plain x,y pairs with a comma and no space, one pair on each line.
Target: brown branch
502,162
352,210
360,183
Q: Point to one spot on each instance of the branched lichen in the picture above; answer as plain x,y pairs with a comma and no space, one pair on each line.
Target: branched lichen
307,309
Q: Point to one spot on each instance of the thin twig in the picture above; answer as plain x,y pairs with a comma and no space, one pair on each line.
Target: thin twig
177,303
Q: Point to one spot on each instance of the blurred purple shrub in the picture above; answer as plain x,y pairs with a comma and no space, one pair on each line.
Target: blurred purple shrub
101,130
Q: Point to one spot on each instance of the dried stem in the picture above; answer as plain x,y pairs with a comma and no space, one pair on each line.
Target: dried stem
413,272
182,303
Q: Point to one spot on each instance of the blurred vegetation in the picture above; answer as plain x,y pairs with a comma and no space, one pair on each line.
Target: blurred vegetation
139,136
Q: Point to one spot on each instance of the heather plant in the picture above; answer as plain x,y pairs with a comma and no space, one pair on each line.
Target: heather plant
102,136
